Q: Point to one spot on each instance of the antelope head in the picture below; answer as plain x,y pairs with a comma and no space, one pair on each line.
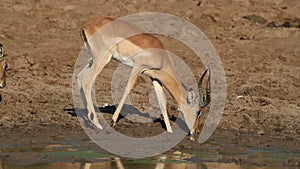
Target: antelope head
203,101
3,67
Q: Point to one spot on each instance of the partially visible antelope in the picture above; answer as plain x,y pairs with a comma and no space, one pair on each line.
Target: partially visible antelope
3,67
158,67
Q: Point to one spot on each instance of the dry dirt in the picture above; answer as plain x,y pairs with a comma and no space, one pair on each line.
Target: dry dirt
257,41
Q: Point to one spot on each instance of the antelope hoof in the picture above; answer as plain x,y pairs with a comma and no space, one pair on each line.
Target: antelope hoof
98,125
113,123
114,119
170,130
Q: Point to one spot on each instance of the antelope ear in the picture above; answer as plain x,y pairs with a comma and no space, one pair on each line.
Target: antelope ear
191,98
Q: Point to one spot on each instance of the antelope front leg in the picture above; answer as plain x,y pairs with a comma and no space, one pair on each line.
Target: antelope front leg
131,82
162,104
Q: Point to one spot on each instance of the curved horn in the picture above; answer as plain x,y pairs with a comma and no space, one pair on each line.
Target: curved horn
204,100
1,52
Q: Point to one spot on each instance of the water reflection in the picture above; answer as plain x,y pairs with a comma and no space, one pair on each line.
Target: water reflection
67,157
120,165
176,160
114,165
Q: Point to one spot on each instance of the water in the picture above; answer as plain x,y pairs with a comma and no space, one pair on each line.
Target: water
79,156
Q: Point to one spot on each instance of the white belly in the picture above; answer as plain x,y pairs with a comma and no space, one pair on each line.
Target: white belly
124,60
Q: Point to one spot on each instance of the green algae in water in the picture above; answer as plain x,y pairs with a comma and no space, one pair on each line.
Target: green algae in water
84,154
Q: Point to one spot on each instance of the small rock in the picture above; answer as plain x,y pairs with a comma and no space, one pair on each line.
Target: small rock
244,38
297,22
238,97
255,18
261,132
282,57
272,25
287,25
199,3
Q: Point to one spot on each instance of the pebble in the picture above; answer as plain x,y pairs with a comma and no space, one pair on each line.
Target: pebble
238,97
261,132
287,24
272,25
255,18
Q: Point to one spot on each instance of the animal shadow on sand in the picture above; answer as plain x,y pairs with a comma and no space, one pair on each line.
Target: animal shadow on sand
126,110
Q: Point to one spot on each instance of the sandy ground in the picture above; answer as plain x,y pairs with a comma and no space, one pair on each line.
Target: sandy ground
257,40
